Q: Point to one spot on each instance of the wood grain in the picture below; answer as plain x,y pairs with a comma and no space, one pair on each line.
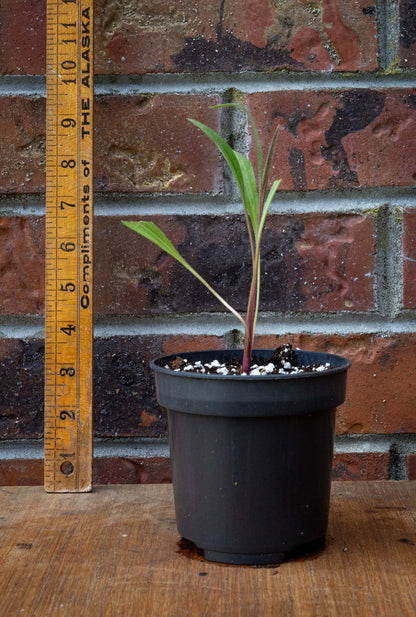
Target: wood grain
114,552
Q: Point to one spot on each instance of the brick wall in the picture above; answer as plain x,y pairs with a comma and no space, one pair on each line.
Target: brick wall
340,246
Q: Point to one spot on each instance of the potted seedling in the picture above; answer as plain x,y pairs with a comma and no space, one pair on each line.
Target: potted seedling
251,431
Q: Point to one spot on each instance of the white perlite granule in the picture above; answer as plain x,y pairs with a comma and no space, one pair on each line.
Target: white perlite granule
267,369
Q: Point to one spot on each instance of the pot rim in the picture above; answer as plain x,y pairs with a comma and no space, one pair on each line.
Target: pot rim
316,356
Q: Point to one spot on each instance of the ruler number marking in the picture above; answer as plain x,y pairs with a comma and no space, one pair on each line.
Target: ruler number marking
67,371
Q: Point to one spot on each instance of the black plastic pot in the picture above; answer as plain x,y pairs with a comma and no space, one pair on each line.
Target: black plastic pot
252,456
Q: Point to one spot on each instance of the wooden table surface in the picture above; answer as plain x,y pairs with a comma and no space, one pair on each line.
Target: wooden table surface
115,553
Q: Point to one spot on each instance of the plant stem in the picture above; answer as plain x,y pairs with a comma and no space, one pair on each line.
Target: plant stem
263,205
252,310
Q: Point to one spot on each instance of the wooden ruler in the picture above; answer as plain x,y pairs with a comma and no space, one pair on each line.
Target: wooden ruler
69,222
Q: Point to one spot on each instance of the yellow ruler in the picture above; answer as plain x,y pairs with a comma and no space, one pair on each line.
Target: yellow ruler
69,224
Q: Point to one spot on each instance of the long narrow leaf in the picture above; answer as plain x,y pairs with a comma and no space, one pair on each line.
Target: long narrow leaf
152,232
149,230
249,194
267,205
267,167
241,169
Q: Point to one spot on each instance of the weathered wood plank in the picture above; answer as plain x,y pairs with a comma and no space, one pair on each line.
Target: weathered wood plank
115,552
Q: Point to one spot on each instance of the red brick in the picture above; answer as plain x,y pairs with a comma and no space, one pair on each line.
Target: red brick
340,139
123,470
381,397
146,144
338,36
311,263
124,391
22,262
22,144
112,470
21,472
179,36
411,466
407,41
409,259
185,344
22,37
337,263
359,466
183,36
21,392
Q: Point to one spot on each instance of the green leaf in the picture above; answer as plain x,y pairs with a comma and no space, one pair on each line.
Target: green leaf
248,190
267,205
152,232
149,230
267,167
242,170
